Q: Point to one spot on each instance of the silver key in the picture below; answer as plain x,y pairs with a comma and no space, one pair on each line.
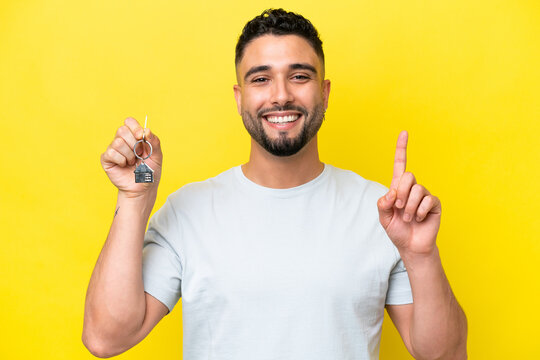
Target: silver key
143,172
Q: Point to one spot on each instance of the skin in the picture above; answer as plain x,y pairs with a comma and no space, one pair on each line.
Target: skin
280,86
434,326
119,314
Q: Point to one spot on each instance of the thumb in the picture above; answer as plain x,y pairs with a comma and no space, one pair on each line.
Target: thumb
385,204
156,156
153,140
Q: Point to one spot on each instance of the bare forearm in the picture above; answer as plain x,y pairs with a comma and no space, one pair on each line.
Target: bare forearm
439,326
115,299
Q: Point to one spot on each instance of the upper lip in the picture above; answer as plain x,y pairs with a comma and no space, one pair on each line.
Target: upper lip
283,113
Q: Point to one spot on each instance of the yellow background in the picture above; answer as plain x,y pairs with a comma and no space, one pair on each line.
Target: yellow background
462,76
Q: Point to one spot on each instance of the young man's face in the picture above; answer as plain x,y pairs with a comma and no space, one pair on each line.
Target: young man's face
281,94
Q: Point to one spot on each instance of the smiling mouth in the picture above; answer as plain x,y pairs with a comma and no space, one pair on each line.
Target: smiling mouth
281,119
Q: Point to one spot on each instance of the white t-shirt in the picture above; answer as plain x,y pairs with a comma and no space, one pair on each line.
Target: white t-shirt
271,274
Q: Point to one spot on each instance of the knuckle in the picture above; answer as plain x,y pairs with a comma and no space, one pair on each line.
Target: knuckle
403,189
407,178
117,142
411,206
122,131
109,153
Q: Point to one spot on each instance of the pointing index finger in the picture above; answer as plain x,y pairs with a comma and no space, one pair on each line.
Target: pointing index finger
400,159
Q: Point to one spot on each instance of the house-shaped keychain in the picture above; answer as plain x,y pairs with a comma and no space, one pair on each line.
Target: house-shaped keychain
144,174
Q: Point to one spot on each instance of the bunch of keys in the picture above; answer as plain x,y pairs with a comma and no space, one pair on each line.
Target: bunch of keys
143,172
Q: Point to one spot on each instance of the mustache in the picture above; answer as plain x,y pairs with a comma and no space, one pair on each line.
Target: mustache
283,108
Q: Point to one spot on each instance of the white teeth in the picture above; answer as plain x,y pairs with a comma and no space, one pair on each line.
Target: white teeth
282,119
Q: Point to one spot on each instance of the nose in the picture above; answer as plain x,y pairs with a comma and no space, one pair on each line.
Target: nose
281,92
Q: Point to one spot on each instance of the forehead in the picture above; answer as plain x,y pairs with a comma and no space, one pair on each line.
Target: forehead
278,51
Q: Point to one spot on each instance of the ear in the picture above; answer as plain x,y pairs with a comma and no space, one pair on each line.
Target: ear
238,96
326,92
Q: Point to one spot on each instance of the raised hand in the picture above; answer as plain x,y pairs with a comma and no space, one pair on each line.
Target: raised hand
119,161
408,212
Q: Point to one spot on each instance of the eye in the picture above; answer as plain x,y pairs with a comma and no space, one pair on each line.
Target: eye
301,77
259,80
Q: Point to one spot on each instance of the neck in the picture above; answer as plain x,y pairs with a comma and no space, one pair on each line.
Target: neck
284,172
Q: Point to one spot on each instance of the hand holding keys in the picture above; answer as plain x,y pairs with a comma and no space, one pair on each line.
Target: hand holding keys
133,142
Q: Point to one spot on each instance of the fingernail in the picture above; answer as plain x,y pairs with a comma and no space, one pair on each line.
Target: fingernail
406,217
399,203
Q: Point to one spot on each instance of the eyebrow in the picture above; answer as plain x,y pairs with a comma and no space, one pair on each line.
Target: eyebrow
256,69
297,66
303,67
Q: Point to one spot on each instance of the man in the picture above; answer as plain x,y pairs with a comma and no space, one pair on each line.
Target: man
283,257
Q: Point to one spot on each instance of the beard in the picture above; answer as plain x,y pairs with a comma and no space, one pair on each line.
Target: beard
283,145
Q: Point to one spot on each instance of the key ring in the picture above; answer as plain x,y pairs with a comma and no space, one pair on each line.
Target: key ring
135,151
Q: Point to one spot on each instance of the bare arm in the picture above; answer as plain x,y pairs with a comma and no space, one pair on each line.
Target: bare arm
118,313
434,327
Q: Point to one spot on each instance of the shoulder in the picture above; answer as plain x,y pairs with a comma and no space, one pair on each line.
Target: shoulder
349,181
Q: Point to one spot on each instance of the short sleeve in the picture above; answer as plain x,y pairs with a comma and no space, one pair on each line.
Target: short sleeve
399,289
162,267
